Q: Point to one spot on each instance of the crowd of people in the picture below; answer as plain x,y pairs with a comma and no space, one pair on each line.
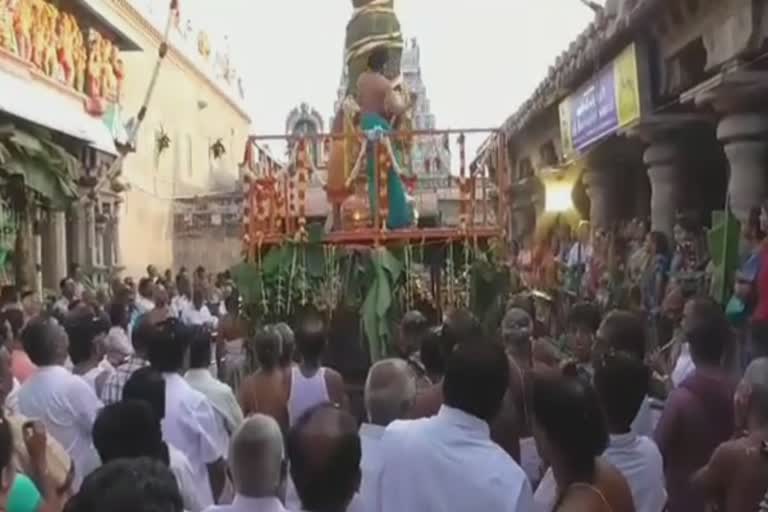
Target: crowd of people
157,396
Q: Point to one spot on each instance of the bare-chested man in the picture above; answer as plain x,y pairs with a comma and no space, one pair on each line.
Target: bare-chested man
375,90
266,390
379,106
735,478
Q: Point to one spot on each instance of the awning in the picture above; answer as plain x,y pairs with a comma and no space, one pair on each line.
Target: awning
44,106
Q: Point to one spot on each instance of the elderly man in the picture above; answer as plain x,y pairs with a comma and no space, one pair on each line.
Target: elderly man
256,463
324,453
389,393
734,479
66,404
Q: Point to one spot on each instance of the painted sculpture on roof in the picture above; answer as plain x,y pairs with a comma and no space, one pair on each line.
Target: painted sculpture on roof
373,53
53,41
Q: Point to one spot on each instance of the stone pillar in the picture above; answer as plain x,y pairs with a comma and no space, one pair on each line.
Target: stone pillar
745,142
90,235
118,256
601,211
666,174
54,240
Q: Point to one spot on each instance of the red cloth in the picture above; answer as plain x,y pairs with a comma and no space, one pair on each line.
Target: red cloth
761,310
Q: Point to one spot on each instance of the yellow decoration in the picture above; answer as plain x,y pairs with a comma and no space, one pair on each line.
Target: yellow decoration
50,39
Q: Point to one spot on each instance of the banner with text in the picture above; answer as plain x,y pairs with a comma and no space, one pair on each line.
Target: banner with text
600,107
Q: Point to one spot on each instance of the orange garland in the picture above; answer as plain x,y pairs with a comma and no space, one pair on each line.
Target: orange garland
384,165
302,175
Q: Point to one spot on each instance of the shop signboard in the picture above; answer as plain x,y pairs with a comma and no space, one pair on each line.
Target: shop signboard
602,106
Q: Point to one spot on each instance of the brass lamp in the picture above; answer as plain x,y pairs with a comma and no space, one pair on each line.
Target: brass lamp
356,209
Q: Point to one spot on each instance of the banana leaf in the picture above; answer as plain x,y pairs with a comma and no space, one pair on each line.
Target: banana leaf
275,258
723,240
46,167
248,281
378,301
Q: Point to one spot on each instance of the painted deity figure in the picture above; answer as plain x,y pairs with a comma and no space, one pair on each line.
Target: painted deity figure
118,68
7,32
37,36
50,60
108,78
81,63
66,48
22,26
93,69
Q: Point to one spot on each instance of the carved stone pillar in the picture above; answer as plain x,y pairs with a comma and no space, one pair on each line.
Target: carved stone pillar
670,138
601,209
90,235
665,170
54,245
745,142
117,257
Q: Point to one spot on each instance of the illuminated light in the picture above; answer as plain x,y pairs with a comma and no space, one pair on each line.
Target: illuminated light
416,216
558,196
356,216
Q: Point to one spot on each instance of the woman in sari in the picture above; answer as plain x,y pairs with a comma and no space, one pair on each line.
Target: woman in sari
379,102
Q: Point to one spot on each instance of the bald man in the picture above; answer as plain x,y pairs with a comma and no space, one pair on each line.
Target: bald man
734,479
324,453
257,466
389,393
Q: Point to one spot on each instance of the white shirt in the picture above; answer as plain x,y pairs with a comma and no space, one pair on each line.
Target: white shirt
370,462
180,304
191,425
579,254
194,500
244,504
220,395
448,463
683,366
67,406
644,421
144,305
638,459
202,316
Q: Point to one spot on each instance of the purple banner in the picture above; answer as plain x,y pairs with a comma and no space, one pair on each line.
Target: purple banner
593,111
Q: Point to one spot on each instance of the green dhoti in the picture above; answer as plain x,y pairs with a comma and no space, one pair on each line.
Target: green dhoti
400,211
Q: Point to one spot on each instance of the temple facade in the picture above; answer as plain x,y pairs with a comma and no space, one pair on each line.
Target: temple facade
431,154
193,134
673,122
92,194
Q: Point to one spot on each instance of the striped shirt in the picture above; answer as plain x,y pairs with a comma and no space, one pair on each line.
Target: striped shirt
112,389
